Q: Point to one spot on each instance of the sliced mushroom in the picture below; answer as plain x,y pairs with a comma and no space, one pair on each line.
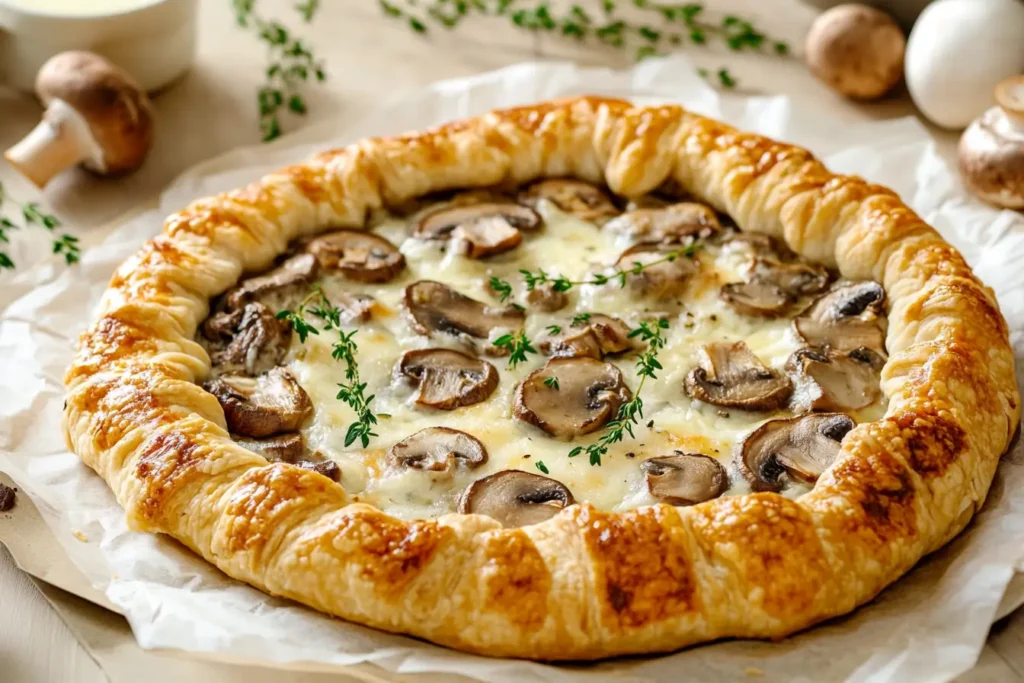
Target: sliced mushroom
583,396
354,307
673,223
263,406
258,342
801,447
448,379
795,278
731,376
358,255
436,307
757,297
583,200
544,297
288,447
665,279
832,381
848,317
486,227
437,450
594,337
323,466
684,478
486,237
515,498
278,288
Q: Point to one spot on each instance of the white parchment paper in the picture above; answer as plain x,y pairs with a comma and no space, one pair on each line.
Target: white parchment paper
930,626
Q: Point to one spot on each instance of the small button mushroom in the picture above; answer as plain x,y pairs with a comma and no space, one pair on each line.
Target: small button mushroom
436,307
481,229
829,381
96,115
263,406
358,255
437,450
684,478
515,498
544,297
594,336
991,151
666,278
756,298
801,447
674,223
448,379
582,397
280,288
848,317
257,342
732,377
583,200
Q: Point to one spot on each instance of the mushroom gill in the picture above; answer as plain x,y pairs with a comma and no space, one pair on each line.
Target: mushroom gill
731,376
515,498
848,317
684,478
437,450
801,448
447,379
436,307
250,341
582,397
263,406
279,288
830,381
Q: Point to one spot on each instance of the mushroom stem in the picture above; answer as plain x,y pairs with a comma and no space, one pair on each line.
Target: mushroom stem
61,140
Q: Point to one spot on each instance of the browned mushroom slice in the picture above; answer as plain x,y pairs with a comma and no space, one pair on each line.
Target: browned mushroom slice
448,379
279,288
354,307
666,278
263,406
673,223
583,200
288,447
832,381
321,465
793,278
800,447
583,396
358,255
595,336
684,478
437,450
758,297
486,227
544,297
436,307
258,343
486,237
731,376
515,498
848,317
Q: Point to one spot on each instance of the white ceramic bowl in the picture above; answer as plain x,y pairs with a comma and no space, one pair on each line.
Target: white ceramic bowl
153,40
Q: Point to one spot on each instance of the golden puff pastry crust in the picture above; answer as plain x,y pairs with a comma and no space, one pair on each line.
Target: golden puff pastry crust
585,584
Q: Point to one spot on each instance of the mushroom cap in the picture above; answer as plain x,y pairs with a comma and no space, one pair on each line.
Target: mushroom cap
279,288
684,478
731,376
117,111
581,199
802,447
666,279
289,447
263,406
595,337
829,381
757,298
856,50
441,223
448,379
544,297
795,278
257,340
358,255
673,223
437,450
848,317
436,307
990,157
515,498
589,394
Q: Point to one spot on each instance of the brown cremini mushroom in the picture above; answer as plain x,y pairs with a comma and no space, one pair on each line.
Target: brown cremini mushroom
515,498
593,336
756,298
666,278
801,447
256,340
279,288
829,381
674,223
990,155
437,450
795,278
448,379
582,397
731,376
583,200
291,448
358,255
436,307
684,478
263,406
848,317
480,229
544,297
95,115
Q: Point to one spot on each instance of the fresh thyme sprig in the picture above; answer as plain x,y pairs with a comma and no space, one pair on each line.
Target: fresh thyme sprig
501,287
31,213
518,345
632,411
344,349
290,64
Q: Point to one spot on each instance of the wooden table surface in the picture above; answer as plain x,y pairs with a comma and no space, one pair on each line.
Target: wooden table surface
369,57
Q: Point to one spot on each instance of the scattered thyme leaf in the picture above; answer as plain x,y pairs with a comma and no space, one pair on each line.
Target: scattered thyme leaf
552,382
517,345
501,287
542,467
33,215
553,329
579,319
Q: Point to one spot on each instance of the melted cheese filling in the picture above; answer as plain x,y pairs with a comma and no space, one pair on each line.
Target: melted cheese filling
565,246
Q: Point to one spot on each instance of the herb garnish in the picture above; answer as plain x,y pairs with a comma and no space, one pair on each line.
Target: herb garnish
518,346
64,244
344,349
500,287
632,411
552,382
542,467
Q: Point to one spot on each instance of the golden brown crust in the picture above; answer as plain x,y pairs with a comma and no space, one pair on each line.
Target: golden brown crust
586,583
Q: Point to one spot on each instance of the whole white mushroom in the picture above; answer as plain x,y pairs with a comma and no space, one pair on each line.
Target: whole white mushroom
991,151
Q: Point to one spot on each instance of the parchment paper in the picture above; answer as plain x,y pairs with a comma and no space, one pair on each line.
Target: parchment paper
930,626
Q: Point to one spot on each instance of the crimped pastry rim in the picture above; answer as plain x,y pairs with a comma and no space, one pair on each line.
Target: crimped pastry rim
586,584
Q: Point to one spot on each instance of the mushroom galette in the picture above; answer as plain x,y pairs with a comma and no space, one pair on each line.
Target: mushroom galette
561,382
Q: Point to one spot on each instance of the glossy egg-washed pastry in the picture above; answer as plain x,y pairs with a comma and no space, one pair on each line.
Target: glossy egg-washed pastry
835,393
